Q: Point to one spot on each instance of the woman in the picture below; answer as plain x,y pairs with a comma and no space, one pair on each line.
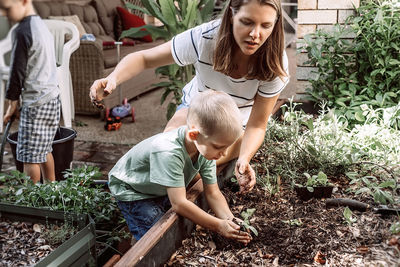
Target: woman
241,54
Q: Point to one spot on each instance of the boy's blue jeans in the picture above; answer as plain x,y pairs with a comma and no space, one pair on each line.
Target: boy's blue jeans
141,215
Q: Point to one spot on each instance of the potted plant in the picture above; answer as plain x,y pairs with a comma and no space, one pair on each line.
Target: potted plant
316,186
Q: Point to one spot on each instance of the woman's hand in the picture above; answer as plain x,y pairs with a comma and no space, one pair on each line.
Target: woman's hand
229,229
245,176
100,89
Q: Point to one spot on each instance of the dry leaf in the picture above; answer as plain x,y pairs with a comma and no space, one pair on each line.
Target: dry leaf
320,258
362,249
37,228
212,245
393,241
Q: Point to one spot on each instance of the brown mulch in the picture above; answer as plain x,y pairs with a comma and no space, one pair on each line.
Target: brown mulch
24,243
323,236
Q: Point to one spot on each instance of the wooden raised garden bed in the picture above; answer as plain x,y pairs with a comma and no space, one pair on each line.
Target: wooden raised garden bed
76,251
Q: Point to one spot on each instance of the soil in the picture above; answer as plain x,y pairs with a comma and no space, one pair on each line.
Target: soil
25,243
292,232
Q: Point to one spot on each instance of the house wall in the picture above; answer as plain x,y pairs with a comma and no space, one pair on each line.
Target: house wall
314,15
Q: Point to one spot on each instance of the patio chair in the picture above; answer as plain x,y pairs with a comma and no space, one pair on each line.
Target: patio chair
66,41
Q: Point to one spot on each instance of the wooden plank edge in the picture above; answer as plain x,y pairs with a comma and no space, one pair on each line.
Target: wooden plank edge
137,252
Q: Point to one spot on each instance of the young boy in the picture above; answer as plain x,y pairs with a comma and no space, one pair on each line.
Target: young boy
153,175
33,77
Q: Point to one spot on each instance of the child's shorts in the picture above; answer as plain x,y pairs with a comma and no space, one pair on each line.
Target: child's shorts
141,215
37,128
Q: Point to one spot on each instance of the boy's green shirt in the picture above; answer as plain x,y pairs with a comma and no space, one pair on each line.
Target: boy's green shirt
156,163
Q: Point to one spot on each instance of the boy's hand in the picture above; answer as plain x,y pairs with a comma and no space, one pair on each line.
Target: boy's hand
231,230
100,89
11,110
245,176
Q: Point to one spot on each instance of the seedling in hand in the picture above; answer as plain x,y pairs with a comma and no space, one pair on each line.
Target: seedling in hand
246,221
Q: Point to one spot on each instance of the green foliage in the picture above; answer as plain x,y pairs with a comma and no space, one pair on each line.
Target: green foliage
176,16
301,143
381,191
395,228
76,194
246,220
293,222
316,180
348,216
363,71
56,235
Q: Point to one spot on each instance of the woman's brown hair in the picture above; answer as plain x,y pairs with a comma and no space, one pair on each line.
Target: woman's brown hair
266,62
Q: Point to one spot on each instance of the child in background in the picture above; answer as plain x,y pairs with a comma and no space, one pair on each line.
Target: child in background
33,77
154,174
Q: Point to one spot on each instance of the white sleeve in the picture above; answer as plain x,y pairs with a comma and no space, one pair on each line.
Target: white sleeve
185,45
274,87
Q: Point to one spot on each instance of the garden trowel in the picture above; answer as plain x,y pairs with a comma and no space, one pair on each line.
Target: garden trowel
360,206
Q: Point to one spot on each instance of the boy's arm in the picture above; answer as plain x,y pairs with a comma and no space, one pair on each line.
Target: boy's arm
19,62
11,110
186,208
217,202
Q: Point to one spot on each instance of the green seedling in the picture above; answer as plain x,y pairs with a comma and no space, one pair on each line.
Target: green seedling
348,216
395,228
246,221
316,180
293,222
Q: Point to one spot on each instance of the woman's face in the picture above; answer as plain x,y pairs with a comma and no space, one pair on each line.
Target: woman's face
252,25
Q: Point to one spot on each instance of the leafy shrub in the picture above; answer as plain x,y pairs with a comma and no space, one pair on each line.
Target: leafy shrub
362,71
176,16
75,194
303,144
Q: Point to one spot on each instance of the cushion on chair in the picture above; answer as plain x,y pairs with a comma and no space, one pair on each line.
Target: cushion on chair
130,20
73,19
86,14
107,14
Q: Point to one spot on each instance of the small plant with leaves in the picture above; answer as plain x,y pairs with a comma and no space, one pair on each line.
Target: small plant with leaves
395,228
348,216
381,191
316,180
246,221
293,222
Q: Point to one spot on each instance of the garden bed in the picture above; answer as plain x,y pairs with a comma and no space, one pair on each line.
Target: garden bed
292,232
24,224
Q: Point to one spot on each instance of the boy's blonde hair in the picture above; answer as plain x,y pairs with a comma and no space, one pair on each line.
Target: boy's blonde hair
215,113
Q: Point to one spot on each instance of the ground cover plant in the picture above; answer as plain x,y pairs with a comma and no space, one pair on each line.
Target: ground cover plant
363,164
362,71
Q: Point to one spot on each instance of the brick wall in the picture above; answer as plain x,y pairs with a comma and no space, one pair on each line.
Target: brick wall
313,15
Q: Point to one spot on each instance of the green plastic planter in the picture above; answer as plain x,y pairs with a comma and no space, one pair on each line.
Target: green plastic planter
79,250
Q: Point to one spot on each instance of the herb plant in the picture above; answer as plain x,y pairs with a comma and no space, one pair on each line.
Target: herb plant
246,220
348,216
76,194
316,180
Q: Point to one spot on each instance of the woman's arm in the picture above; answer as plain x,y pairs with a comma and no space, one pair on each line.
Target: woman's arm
252,139
131,65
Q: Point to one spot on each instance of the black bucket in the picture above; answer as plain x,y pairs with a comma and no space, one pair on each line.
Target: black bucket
63,150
